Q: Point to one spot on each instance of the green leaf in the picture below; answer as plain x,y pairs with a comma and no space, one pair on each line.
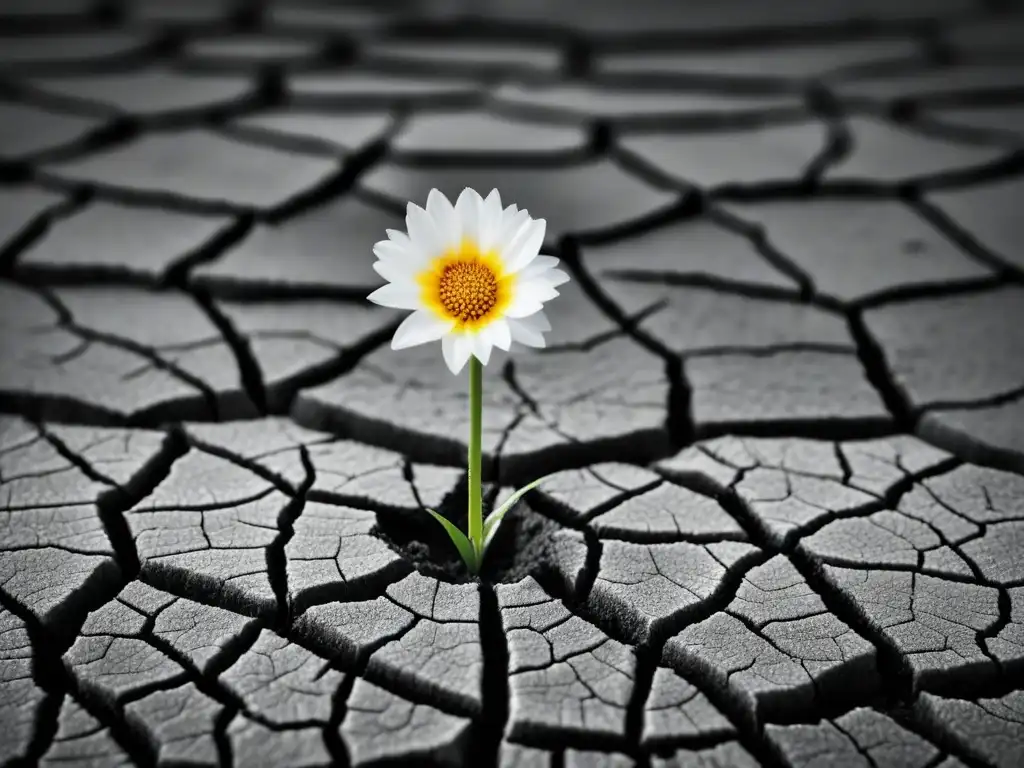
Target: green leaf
494,519
460,541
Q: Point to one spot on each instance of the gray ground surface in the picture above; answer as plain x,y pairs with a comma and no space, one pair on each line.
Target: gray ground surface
784,398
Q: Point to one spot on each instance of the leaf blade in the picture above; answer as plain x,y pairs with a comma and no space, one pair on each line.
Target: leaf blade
461,542
493,520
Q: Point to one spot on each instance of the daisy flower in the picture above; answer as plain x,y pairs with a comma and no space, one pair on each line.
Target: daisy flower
473,275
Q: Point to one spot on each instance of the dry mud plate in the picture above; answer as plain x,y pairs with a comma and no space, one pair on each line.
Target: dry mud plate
783,402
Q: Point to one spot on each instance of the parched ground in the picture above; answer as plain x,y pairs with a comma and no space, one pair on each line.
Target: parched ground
784,400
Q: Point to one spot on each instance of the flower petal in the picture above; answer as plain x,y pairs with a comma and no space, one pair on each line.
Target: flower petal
419,328
491,220
538,321
541,267
395,272
397,295
556,277
523,306
536,288
422,231
511,226
481,348
467,211
445,221
525,334
526,246
389,250
539,264
497,333
456,348
401,251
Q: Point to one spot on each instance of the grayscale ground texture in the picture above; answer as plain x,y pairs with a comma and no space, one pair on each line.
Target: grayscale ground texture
784,397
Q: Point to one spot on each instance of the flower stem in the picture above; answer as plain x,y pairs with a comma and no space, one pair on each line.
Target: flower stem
476,406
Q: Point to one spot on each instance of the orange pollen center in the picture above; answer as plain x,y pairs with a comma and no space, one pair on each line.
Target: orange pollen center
468,290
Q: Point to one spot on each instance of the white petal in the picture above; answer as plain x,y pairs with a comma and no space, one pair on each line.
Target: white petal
481,348
415,253
490,221
445,221
456,349
467,210
448,352
398,237
543,273
538,268
395,272
397,295
540,264
419,328
498,333
538,321
523,306
511,227
389,250
410,258
422,232
525,334
526,246
538,289
556,277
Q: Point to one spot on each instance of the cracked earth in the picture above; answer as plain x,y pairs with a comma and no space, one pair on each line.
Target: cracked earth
783,398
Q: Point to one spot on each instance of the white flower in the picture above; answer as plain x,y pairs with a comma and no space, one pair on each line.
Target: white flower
473,274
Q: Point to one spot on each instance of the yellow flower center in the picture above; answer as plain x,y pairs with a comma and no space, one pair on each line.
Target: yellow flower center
466,285
468,290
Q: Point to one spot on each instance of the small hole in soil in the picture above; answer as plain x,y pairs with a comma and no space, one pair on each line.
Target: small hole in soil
523,546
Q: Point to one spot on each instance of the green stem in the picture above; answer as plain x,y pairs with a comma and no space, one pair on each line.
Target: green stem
476,407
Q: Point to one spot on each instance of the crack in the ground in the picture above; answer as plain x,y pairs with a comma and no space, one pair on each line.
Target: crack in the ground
490,724
277,565
253,386
179,272
250,464
986,402
937,733
580,58
112,504
889,500
49,643
937,290
893,668
823,104
32,231
332,735
281,395
88,335
872,359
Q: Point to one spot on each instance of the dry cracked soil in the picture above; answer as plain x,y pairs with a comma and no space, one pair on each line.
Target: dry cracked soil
783,401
